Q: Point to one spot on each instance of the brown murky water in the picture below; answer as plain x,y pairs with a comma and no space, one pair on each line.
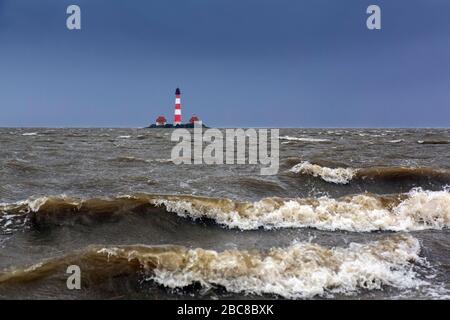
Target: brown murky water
352,213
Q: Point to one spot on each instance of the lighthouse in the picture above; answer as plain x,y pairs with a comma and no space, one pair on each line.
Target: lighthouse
161,121
177,115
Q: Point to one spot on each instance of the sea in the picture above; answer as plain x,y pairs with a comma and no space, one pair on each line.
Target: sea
351,214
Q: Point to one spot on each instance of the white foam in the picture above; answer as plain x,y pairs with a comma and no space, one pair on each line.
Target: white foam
304,139
420,210
302,270
334,175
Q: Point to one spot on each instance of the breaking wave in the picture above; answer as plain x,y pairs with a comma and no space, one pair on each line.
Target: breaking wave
333,175
416,210
342,175
302,270
303,139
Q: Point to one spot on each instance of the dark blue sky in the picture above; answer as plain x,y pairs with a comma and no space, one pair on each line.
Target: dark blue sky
238,63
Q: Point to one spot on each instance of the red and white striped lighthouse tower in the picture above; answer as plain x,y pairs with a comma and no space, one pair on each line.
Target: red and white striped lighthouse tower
177,116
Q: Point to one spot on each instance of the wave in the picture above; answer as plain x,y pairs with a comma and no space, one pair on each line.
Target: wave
433,142
127,159
333,175
416,210
161,160
30,134
393,173
342,175
302,270
303,139
76,135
